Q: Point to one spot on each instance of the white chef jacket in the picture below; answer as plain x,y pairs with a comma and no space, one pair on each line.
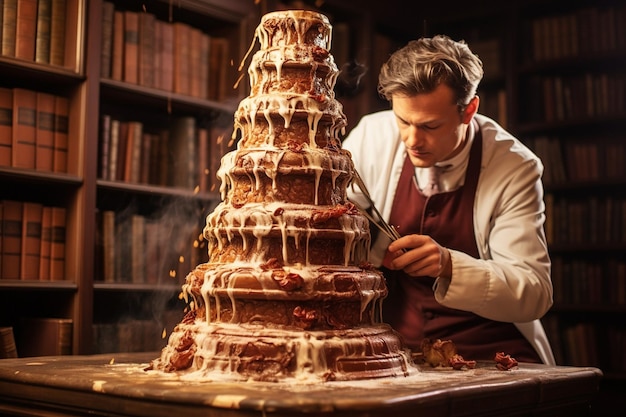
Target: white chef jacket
511,280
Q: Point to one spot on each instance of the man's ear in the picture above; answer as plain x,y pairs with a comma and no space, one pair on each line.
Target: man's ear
470,110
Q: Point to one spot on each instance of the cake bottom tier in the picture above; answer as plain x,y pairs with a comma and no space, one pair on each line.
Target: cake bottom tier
248,352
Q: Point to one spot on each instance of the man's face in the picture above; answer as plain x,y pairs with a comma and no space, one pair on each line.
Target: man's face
431,126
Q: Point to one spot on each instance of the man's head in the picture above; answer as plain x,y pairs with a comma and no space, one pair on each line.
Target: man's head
432,84
422,65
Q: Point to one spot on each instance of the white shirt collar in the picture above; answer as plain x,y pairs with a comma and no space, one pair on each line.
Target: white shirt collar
453,174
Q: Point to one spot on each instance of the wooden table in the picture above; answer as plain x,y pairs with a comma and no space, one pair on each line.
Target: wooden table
117,385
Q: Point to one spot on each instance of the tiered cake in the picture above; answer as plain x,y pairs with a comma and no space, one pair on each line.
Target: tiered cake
287,292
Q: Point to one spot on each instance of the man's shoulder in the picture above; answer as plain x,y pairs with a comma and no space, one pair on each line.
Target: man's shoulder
373,126
502,150
382,117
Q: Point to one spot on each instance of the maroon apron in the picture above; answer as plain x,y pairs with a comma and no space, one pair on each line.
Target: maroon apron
411,307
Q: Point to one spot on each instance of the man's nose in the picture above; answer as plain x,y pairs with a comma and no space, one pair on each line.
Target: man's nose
415,137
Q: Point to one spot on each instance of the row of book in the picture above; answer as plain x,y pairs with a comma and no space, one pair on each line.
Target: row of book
587,31
587,220
32,241
183,155
137,249
587,343
140,49
33,130
34,30
581,96
36,336
589,282
579,160
134,335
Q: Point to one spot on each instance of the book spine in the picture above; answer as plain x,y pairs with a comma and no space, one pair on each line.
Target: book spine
46,241
42,39
26,28
108,245
44,152
9,26
146,41
6,126
61,131
108,11
57,32
8,349
138,252
131,46
117,52
31,240
113,151
182,36
45,337
24,128
105,146
167,56
57,244
11,239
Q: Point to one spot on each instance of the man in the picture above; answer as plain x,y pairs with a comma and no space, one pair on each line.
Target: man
471,264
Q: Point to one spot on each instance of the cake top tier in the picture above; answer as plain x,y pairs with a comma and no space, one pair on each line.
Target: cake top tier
294,27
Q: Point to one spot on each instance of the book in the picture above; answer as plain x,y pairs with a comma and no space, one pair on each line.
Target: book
146,154
26,29
203,160
108,11
61,131
43,33
182,35
32,217
205,49
57,32
113,151
153,257
24,128
117,46
123,247
131,47
57,244
218,69
8,349
9,19
122,149
108,245
46,241
105,146
195,82
11,239
138,253
132,168
165,52
165,159
147,23
183,145
44,140
6,126
45,337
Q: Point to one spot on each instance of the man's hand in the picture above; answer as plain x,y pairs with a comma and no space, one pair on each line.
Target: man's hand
419,255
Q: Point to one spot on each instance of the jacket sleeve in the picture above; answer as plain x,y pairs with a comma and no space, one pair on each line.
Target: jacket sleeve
512,280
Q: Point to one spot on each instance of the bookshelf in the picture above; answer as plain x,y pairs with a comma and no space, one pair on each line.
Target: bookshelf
561,77
575,79
57,93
